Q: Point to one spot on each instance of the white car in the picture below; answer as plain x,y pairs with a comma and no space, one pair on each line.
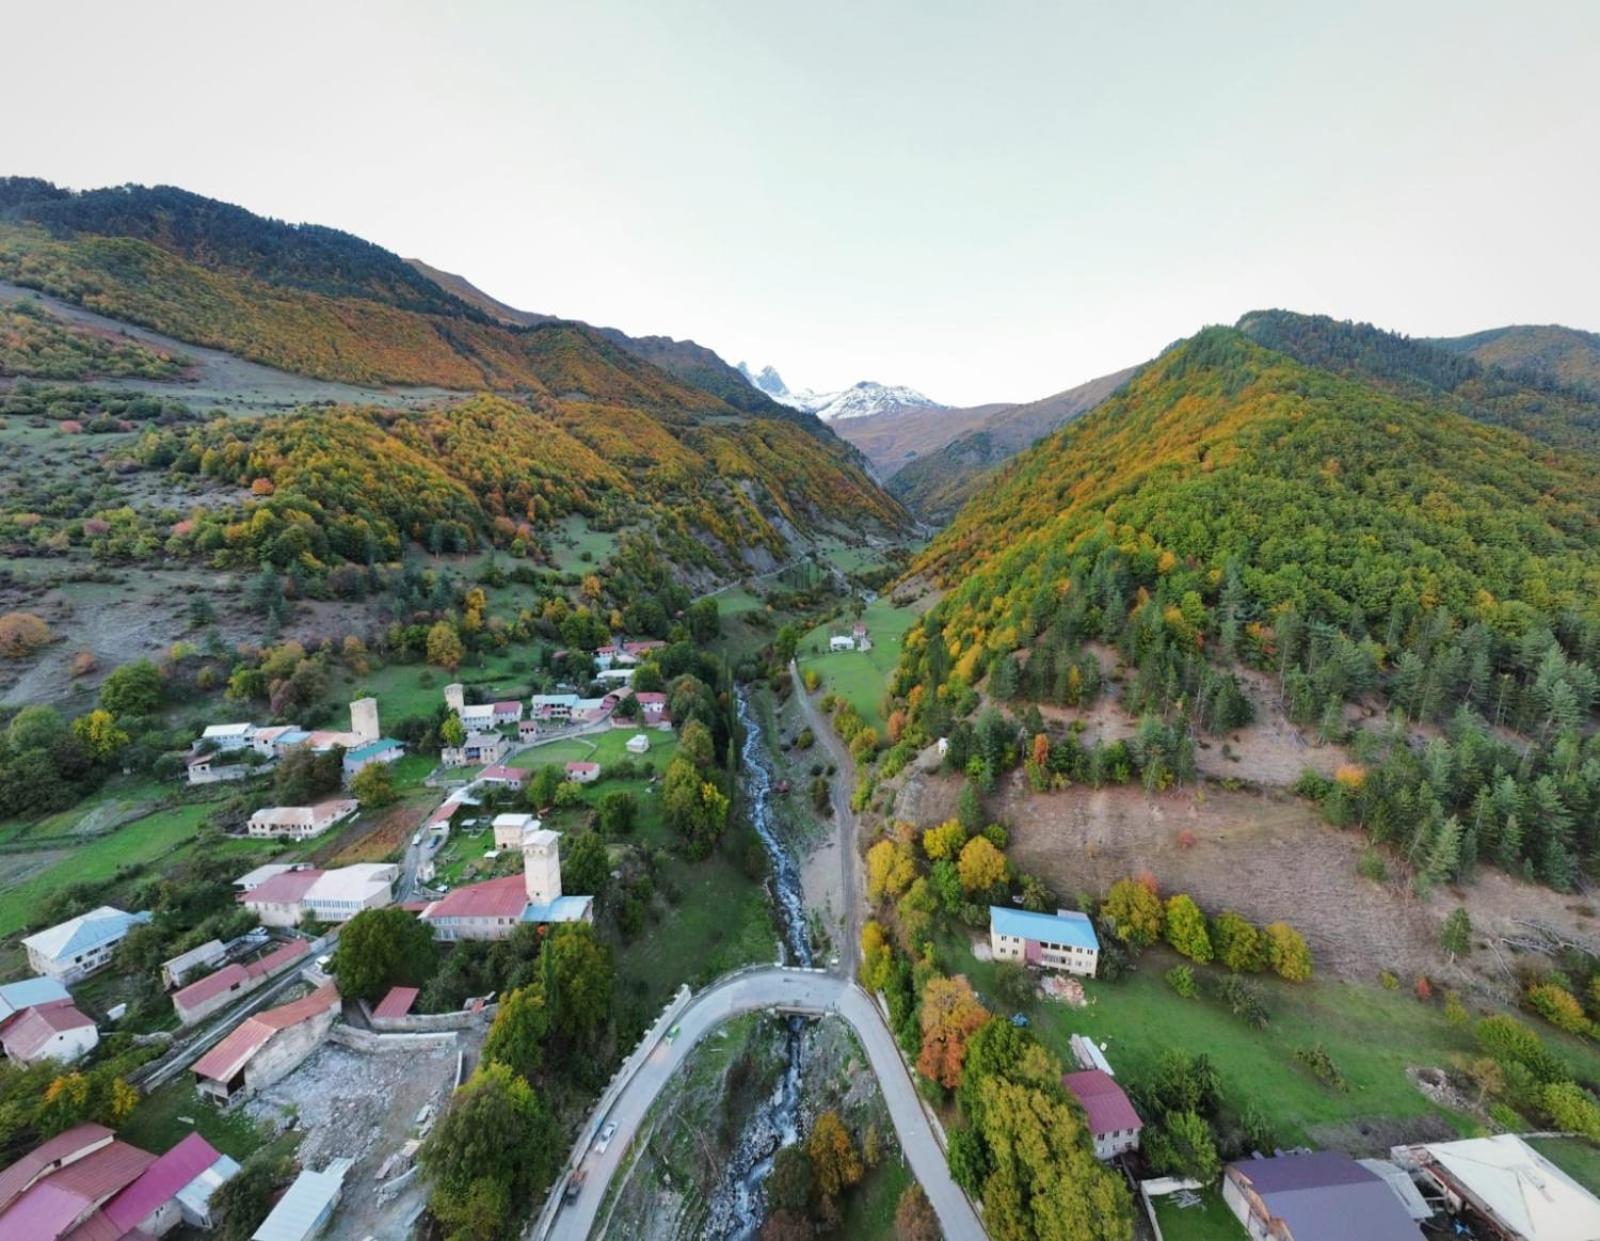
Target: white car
604,1140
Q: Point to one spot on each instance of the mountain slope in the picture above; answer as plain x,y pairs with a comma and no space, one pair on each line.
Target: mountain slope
1537,405
724,481
1563,354
938,483
1231,505
461,287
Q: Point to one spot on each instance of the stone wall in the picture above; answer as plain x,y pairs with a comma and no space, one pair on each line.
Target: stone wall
381,1044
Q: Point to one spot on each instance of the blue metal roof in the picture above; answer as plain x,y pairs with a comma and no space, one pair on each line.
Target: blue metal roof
16,996
84,932
562,909
1071,928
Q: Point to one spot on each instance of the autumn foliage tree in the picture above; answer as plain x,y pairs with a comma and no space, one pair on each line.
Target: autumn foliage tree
1186,928
1134,913
835,1163
951,1015
981,865
1287,952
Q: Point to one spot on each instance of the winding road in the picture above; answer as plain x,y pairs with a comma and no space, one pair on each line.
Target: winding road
812,992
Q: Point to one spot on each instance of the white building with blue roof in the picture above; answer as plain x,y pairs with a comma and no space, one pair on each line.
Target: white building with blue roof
78,947
1064,940
16,996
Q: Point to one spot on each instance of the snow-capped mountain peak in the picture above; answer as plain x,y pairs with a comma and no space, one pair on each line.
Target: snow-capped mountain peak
860,400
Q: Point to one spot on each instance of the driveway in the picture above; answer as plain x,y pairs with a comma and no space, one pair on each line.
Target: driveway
798,990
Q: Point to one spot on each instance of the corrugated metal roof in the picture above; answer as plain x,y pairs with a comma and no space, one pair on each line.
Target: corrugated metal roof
493,898
230,976
305,1206
16,996
19,1175
1104,1103
1528,1192
27,1035
286,889
69,938
1328,1196
397,1003
562,909
228,1057
161,1181
52,1206
1071,927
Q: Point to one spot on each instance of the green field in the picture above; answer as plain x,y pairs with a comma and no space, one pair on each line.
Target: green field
859,677
1373,1036
605,748
575,547
1210,1221
136,844
121,799
407,690
155,1125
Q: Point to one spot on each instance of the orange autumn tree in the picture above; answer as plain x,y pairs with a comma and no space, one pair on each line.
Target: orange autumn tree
951,1015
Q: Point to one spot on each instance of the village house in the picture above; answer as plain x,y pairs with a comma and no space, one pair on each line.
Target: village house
653,709
1113,1124
266,1046
475,749
1064,940
327,895
213,769
300,822
265,740
76,948
1504,1188
383,750
54,1030
216,991
17,997
86,1185
496,907
583,773
638,744
179,969
528,731
228,736
253,879
858,635
615,677
554,707
1319,1196
841,642
507,712
498,776
509,829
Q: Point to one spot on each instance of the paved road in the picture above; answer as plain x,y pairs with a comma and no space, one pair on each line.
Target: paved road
844,819
801,990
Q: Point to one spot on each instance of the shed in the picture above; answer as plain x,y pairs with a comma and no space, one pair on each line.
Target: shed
397,1003
307,1206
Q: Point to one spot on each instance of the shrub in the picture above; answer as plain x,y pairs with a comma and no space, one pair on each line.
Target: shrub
1237,942
1181,979
1558,1006
1372,866
1572,1108
1242,999
1287,953
1186,929
1316,1059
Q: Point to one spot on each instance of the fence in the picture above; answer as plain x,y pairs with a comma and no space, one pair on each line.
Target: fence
381,1044
426,1023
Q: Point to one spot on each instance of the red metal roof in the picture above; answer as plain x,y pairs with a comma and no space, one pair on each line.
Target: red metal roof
230,976
397,1003
225,1060
493,898
26,1170
285,889
1107,1107
38,1025
498,772
57,1203
583,767
651,698
161,1181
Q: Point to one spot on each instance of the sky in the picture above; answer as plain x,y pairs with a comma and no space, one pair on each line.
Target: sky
986,201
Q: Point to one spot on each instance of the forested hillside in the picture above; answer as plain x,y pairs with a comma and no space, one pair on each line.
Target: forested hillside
934,486
1233,506
1563,354
1526,398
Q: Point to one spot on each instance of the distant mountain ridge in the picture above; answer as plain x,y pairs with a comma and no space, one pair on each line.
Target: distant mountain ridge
1566,355
861,400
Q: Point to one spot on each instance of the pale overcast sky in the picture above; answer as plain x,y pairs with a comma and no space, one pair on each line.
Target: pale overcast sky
986,201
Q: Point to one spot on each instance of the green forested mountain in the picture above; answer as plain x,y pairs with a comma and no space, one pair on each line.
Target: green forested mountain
1527,398
1233,505
1563,354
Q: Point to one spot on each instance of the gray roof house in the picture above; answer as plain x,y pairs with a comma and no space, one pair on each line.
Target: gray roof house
77,947
1320,1196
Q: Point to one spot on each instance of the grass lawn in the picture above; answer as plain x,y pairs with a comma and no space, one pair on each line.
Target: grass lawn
155,1125
1373,1036
859,676
120,799
720,922
407,690
135,844
606,748
869,1208
1210,1221
575,547
1578,1159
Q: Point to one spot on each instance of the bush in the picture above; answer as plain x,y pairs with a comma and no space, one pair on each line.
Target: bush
1242,999
1181,979
1372,866
1316,1059
1186,929
1237,942
1287,952
1558,1006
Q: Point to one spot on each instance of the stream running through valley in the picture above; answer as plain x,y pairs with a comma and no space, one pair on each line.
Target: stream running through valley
739,1206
